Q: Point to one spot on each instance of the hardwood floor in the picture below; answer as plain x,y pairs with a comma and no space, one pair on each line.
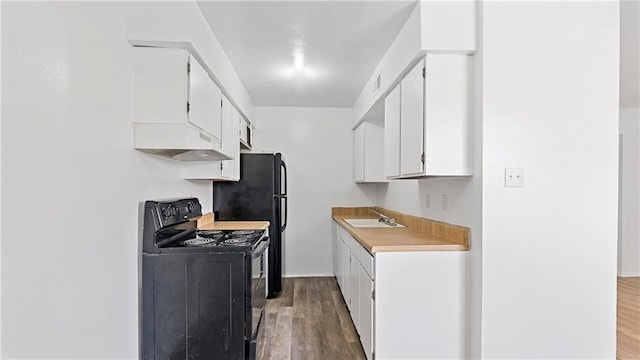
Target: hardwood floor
309,321
628,327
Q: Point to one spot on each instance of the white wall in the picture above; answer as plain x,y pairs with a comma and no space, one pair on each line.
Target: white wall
72,182
317,145
630,53
549,249
629,232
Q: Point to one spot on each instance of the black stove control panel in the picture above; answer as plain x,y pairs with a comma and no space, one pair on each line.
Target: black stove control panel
172,212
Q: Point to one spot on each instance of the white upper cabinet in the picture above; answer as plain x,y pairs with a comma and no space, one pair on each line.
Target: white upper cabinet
428,119
230,141
368,153
204,101
412,121
432,27
176,106
181,24
392,133
358,153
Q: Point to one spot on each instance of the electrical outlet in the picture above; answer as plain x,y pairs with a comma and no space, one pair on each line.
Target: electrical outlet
513,177
427,201
445,200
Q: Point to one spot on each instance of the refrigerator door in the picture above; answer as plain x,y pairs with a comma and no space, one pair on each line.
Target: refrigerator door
257,196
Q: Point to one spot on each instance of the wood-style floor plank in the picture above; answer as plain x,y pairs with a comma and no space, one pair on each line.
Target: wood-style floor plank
309,321
628,315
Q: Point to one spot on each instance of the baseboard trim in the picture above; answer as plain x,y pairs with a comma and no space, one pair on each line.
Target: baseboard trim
626,274
307,275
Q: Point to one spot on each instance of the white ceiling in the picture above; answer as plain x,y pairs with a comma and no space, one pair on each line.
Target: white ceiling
342,43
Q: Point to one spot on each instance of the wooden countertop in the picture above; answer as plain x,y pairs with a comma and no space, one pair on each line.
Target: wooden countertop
235,225
396,239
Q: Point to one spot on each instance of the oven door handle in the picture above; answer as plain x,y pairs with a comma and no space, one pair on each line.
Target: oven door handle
260,248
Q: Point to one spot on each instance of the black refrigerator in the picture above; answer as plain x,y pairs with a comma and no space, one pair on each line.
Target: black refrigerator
261,194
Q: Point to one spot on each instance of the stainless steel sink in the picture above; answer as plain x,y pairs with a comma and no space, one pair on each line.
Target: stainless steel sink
370,223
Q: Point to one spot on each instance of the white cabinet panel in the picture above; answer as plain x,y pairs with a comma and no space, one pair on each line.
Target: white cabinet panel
358,153
344,271
230,169
366,313
431,133
354,291
205,101
368,152
161,85
334,247
421,317
392,133
448,106
412,121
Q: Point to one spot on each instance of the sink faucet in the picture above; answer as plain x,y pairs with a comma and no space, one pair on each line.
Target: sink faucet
384,218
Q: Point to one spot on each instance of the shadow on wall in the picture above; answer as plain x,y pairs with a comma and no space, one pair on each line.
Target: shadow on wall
448,199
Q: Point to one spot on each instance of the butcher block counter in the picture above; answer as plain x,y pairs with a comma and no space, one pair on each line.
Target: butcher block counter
207,222
420,234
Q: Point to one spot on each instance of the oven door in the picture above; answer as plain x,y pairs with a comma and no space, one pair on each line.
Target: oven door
259,258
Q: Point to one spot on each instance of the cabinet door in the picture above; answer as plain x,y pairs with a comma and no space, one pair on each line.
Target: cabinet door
345,269
340,271
161,85
366,313
230,140
412,121
334,247
354,291
358,153
205,101
392,133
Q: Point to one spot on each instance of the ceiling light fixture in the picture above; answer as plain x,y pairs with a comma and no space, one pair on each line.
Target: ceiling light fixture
298,60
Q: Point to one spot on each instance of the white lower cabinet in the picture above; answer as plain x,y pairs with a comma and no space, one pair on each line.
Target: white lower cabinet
352,268
354,290
404,305
366,305
334,247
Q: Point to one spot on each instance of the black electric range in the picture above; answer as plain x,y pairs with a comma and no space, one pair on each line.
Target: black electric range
203,291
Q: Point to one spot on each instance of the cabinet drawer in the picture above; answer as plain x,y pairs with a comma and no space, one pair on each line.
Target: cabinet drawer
343,234
360,253
366,260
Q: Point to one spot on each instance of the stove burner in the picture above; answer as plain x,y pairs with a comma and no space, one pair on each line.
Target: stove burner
199,241
238,241
242,237
244,232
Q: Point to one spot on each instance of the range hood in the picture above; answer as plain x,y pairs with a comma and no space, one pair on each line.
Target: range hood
177,141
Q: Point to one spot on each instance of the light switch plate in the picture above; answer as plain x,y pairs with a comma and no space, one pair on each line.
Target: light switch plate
513,177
